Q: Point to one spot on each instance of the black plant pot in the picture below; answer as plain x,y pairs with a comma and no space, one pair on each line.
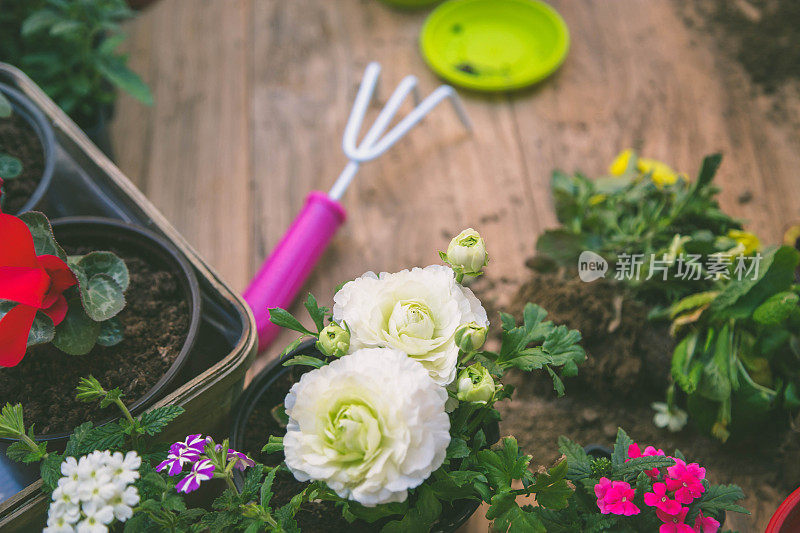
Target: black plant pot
14,477
100,132
26,109
262,390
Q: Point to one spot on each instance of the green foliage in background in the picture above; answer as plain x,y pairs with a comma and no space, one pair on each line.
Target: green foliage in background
69,48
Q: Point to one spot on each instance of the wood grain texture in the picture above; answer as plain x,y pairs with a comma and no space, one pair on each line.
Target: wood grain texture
252,97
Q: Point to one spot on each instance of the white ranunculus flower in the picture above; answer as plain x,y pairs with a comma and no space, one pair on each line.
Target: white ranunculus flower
371,425
415,311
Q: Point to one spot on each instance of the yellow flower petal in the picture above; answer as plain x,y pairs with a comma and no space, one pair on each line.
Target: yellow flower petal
748,240
621,162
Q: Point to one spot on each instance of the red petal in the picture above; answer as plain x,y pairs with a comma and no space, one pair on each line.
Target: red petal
23,285
58,310
17,249
61,277
14,329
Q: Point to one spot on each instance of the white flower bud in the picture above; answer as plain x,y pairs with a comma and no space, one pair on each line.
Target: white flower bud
475,384
467,252
471,336
334,340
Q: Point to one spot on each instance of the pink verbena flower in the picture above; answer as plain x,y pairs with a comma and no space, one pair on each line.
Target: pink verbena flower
201,471
617,498
674,523
705,524
686,481
634,451
600,491
661,500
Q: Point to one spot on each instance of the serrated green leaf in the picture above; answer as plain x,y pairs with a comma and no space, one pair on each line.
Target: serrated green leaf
43,240
577,459
154,421
457,449
106,263
562,345
76,443
50,470
639,464
10,167
266,488
621,446
421,517
11,421
558,385
718,498
106,437
102,297
551,488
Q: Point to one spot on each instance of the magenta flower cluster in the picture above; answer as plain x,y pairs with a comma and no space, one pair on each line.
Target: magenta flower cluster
680,485
192,451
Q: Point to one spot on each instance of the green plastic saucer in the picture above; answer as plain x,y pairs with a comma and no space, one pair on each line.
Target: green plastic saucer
494,45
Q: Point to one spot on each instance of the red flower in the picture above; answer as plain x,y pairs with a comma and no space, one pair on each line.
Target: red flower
674,523
35,283
660,499
634,451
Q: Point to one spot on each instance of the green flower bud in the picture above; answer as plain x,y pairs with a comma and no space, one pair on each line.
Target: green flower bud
467,253
334,340
470,336
475,384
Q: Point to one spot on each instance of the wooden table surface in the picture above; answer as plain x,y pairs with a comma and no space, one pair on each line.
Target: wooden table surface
251,98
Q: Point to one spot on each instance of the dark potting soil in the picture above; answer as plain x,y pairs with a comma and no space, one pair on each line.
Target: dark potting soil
764,36
155,322
625,372
19,140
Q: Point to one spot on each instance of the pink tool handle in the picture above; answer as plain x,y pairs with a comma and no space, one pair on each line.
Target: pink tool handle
284,272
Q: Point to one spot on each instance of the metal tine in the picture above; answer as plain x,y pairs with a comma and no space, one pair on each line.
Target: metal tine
372,145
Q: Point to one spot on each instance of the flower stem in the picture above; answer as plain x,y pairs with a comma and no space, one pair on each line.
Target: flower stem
129,418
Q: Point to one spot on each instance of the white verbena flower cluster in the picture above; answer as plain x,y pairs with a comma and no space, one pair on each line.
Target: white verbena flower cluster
94,491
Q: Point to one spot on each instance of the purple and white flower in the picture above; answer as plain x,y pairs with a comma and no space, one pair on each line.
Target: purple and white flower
178,456
201,471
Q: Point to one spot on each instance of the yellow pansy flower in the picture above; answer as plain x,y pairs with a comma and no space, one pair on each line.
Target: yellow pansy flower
661,173
620,163
747,241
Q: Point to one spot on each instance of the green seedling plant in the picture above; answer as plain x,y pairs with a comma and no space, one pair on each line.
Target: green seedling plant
643,209
738,359
70,48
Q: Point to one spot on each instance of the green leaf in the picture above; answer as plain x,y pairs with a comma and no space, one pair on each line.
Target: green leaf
42,232
776,309
639,464
50,470
10,166
106,263
558,385
117,73
551,488
292,345
153,422
281,317
11,421
266,487
776,273
719,498
6,109
503,466
621,446
38,21
42,331
316,312
562,345
274,445
420,517
457,449
77,333
577,459
89,390
513,519
110,332
707,171
102,297
305,360
109,436
76,445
